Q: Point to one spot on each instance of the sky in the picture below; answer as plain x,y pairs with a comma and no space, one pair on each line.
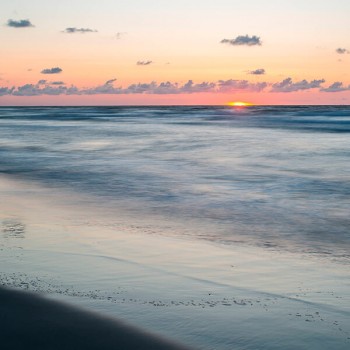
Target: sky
150,52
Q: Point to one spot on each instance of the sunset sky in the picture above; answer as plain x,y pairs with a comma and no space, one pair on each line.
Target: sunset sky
78,52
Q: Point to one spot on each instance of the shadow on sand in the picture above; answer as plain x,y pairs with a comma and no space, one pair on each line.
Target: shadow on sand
29,321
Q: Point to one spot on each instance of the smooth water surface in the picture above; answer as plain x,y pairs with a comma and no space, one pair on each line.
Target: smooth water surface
278,177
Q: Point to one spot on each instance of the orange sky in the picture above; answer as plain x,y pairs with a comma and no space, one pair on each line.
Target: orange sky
181,41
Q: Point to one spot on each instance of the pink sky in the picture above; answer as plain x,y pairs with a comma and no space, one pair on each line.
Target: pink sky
274,53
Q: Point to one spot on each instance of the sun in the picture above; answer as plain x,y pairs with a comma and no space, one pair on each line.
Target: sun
240,104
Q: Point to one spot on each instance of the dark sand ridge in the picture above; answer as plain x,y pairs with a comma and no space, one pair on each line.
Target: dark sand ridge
29,321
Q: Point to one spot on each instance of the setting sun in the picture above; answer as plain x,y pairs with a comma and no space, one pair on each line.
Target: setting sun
240,104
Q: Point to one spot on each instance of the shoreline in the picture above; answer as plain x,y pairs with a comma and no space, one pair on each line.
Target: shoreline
200,293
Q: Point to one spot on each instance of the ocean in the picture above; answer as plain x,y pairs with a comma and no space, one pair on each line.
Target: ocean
218,227
274,176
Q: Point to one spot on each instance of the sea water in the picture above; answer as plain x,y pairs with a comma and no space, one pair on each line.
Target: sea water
274,176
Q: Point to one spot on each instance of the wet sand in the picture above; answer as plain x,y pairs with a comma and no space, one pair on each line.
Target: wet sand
29,321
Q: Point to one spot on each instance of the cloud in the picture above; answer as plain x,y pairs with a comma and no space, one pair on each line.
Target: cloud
106,88
166,88
243,40
22,23
120,35
191,87
140,88
169,88
111,81
336,87
44,87
260,71
45,82
287,85
55,70
143,63
6,91
37,90
342,51
72,30
235,85
27,90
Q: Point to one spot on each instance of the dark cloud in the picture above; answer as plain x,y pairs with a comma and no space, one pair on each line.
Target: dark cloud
72,30
243,40
57,83
42,81
287,85
336,87
342,51
260,71
55,70
22,23
144,63
234,85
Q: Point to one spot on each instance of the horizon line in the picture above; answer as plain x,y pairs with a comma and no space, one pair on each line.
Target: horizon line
182,105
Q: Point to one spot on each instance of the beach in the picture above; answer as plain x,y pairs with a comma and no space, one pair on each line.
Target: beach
185,224
175,175
197,293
